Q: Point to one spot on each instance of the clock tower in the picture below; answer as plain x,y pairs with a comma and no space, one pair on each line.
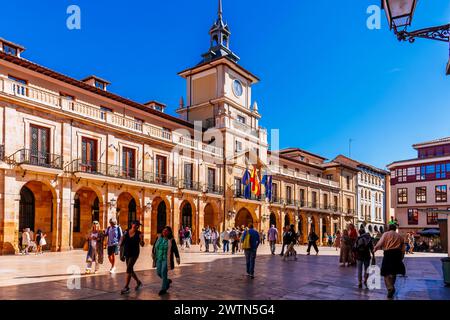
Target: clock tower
219,95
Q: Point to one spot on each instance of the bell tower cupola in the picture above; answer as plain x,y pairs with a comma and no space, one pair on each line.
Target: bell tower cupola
220,40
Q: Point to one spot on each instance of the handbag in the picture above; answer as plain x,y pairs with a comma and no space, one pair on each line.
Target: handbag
42,242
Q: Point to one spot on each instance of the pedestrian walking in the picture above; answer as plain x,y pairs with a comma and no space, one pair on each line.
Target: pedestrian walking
241,232
207,236
163,254
234,237
40,241
114,234
312,242
95,248
262,236
364,255
272,235
291,239
353,234
346,249
250,243
187,237
330,240
226,240
337,240
284,244
393,246
131,242
27,243
202,239
181,236
214,238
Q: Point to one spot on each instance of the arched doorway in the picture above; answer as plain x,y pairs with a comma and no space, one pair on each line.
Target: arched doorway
210,217
287,220
127,209
161,217
86,210
26,209
36,210
243,218
186,215
273,219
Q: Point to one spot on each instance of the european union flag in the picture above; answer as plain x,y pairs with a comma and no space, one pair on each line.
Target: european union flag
267,182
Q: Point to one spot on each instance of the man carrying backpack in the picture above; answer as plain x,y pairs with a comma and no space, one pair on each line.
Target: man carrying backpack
250,243
114,233
364,252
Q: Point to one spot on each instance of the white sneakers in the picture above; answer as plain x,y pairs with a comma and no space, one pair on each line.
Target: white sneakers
112,270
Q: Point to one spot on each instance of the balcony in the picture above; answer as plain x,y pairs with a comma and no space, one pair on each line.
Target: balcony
113,171
245,128
303,176
36,158
95,113
190,185
214,189
239,193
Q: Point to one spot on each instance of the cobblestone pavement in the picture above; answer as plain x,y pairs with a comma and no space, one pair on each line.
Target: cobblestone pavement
206,276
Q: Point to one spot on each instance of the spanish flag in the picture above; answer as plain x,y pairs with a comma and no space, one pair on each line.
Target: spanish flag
254,180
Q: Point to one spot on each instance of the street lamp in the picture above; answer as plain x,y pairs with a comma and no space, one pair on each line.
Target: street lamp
400,13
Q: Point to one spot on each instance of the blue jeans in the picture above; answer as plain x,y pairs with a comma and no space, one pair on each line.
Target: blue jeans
226,245
207,241
161,270
360,264
250,257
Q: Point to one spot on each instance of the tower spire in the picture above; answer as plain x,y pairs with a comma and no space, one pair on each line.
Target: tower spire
220,12
220,39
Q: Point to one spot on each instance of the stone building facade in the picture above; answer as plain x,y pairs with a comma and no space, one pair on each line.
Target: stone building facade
72,152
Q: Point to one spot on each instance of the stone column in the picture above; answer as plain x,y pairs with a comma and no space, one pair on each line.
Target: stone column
320,230
9,229
147,217
65,214
57,217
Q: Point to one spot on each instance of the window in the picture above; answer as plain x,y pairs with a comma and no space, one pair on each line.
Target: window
430,169
302,197
188,175
348,183
349,206
289,195
325,201
402,196
274,192
401,175
104,111
237,187
421,194
241,119
440,171
161,169
329,176
128,162
9,50
413,217
39,145
441,193
89,154
138,124
211,179
238,146
432,218
314,199
335,201
100,85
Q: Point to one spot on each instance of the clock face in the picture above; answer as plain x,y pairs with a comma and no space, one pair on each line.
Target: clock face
237,88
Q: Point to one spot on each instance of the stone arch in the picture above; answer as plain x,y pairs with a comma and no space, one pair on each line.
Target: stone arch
302,226
244,217
87,207
128,209
210,216
160,216
37,210
273,220
188,217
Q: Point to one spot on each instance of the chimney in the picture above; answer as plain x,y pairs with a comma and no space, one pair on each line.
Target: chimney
155,105
96,82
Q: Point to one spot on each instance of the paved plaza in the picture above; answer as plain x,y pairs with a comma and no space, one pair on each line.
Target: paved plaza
206,276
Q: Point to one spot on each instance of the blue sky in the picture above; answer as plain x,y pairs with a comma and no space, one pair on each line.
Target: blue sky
325,76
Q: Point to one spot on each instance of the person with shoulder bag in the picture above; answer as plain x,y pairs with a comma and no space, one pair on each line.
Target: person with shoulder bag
114,234
164,251
250,243
132,240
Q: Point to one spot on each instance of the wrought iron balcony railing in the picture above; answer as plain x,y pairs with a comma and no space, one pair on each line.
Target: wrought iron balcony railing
189,185
36,158
239,193
215,189
98,168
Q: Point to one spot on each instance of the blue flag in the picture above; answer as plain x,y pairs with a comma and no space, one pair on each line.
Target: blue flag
247,184
267,182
